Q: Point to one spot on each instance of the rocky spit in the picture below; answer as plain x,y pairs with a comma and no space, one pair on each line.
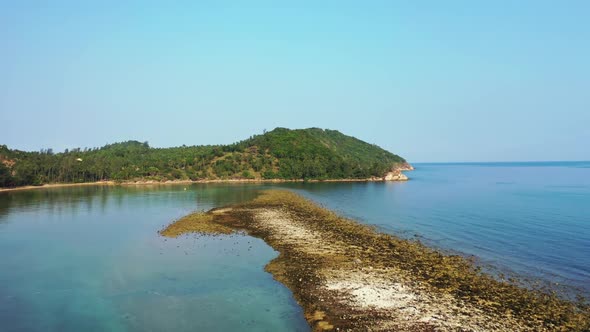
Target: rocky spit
348,277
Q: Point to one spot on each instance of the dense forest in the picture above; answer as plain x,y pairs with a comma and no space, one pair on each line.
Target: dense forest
279,154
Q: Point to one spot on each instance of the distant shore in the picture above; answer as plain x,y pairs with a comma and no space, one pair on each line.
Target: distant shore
153,182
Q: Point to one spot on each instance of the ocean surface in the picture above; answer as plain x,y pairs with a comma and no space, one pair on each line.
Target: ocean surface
90,258
531,220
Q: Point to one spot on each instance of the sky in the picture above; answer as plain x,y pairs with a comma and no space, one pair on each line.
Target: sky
432,81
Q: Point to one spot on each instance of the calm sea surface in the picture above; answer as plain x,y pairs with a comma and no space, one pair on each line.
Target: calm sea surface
90,258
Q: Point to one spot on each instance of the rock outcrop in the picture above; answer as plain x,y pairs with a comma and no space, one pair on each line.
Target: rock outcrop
396,173
405,167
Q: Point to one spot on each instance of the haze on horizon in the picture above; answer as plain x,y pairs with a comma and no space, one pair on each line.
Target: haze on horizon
430,81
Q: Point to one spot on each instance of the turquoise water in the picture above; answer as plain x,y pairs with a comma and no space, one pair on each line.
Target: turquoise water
90,258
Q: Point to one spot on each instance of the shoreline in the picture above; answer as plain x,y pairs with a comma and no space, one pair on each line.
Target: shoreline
348,276
173,182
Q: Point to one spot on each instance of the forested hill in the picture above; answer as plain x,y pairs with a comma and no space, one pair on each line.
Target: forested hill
279,154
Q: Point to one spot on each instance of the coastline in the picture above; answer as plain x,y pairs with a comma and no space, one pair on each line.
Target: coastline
348,276
152,182
58,185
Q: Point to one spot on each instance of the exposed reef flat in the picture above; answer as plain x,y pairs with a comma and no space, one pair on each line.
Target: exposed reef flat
349,277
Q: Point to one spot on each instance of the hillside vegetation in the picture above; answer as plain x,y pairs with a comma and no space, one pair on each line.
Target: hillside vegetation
279,154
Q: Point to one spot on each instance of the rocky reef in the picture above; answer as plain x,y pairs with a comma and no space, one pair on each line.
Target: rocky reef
349,277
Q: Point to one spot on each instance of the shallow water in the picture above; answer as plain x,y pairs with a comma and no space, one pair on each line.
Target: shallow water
90,259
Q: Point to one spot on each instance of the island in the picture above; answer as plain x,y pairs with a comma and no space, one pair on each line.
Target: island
350,277
282,154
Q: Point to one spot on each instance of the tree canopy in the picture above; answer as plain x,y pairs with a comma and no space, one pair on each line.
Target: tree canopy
278,154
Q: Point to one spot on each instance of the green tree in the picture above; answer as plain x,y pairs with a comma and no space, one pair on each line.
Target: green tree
281,153
6,179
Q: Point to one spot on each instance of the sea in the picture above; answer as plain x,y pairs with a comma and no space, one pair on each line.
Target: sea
89,258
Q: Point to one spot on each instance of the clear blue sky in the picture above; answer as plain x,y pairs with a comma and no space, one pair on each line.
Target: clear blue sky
429,80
